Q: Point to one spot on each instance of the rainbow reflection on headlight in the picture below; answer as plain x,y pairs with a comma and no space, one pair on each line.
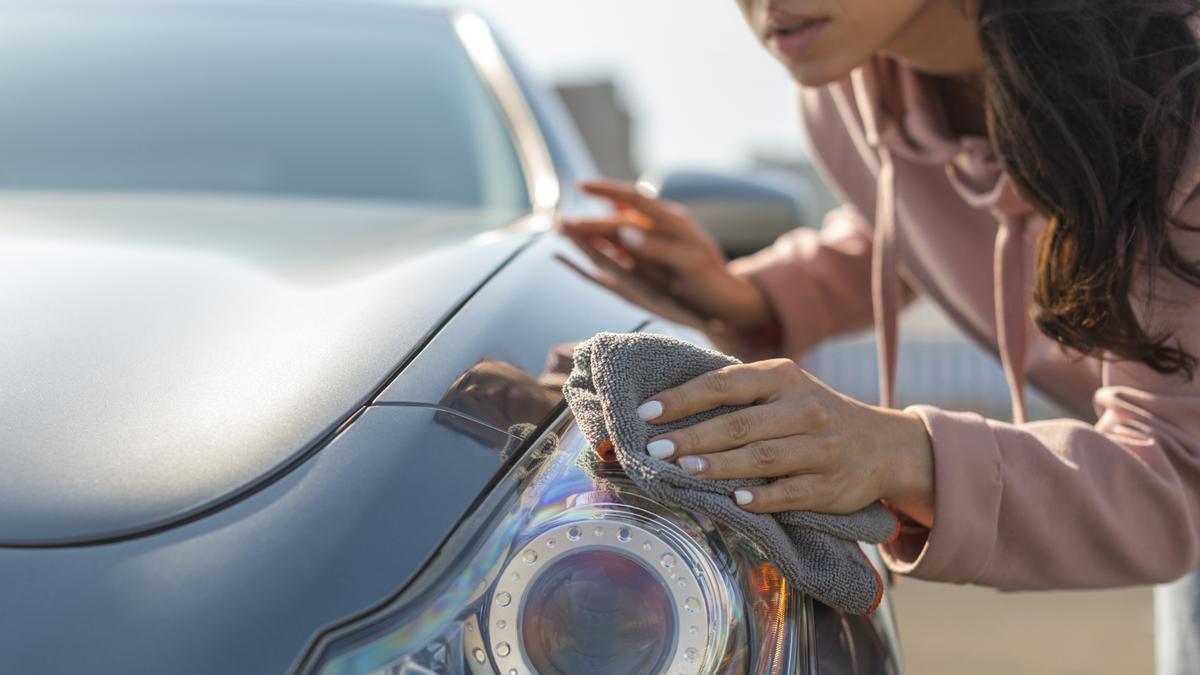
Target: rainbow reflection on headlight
573,571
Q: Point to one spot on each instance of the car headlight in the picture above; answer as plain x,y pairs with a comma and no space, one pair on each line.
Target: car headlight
568,569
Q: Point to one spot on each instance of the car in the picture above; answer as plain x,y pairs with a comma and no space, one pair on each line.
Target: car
285,330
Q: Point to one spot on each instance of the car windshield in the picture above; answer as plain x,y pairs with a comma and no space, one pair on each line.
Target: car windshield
324,101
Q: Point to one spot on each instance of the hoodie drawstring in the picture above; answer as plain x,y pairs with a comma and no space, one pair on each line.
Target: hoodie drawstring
1008,265
1008,283
1008,269
885,280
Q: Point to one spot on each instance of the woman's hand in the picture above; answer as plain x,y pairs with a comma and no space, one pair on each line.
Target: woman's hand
659,243
828,452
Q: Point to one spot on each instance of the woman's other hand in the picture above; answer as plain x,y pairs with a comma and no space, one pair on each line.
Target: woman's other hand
660,243
828,453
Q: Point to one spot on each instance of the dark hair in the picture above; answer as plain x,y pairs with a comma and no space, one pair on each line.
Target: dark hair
1091,106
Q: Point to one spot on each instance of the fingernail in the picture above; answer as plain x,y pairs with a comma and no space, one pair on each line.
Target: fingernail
692,464
661,449
647,189
631,236
649,410
743,497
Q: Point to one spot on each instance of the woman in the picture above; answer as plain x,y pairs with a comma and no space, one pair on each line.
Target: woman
1032,167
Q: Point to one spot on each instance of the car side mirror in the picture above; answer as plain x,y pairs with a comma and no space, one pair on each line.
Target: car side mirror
744,211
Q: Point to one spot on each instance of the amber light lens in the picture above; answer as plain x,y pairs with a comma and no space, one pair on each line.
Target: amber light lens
598,612
769,609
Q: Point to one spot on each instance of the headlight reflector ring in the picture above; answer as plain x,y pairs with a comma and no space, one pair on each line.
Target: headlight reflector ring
551,613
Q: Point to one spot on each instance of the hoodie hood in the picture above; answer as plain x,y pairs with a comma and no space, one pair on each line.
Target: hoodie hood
903,117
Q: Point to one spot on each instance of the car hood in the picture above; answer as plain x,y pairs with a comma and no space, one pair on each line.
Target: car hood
159,353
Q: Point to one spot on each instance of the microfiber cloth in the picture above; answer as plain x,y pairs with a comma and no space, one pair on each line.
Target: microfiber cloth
613,373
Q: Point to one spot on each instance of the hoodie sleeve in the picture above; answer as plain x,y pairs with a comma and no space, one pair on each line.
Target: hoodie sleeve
1064,504
818,281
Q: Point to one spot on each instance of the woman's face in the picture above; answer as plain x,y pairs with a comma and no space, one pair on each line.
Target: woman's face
820,41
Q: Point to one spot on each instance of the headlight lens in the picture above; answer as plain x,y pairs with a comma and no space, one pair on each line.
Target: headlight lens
592,611
607,588
568,569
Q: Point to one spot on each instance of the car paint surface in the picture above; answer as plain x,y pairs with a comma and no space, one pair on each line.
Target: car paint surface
531,308
200,567
166,352
243,589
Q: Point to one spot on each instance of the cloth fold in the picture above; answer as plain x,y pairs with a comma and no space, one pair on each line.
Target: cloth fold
613,373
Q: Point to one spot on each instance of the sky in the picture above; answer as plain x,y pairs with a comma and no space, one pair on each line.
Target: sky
702,90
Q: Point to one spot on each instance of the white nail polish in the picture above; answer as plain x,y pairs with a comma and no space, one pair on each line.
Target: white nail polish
692,464
661,449
743,497
631,236
649,410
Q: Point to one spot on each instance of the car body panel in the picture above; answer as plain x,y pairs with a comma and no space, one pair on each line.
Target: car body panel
529,315
244,590
171,351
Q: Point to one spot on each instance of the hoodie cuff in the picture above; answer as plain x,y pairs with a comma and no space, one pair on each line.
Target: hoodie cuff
966,502
799,309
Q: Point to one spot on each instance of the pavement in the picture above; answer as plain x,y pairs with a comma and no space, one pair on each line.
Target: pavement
947,629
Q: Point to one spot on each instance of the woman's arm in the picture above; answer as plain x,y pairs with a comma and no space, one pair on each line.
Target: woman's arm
1060,504
1055,504
817,281
1064,504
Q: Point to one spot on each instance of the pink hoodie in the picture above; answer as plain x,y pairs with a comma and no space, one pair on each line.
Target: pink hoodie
1050,504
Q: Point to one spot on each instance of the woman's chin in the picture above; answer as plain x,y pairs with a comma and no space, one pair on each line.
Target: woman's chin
820,65
816,73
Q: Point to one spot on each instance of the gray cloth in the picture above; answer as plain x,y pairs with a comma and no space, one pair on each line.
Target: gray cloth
613,373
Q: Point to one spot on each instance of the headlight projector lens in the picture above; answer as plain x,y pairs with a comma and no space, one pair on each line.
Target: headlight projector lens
596,597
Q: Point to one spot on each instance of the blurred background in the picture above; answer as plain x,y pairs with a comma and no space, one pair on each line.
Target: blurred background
674,88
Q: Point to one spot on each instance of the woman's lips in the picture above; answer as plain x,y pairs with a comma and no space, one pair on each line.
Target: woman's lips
794,38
